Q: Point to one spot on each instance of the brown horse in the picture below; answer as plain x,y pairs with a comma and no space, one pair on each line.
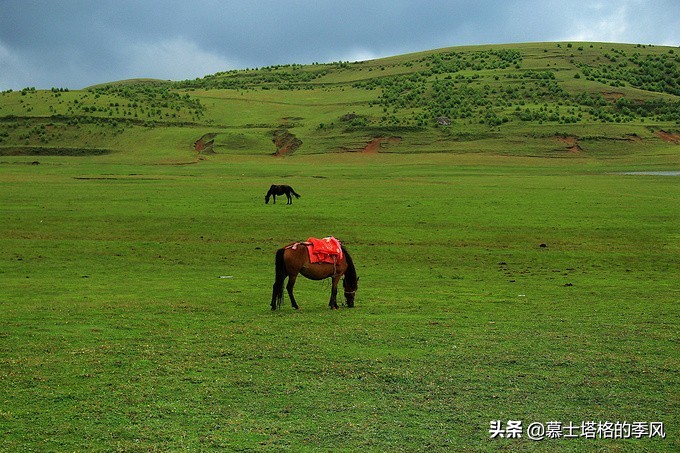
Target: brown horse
281,189
294,259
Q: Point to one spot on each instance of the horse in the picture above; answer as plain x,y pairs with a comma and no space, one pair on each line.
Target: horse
282,189
293,259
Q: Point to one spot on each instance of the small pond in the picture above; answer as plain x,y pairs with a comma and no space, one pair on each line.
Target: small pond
651,173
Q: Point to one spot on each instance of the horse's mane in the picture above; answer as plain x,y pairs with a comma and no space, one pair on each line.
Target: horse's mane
351,272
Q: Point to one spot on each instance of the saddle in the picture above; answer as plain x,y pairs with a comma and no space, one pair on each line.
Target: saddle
326,250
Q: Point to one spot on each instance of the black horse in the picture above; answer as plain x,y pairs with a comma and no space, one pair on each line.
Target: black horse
283,189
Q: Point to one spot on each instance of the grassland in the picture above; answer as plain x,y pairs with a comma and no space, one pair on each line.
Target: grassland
136,283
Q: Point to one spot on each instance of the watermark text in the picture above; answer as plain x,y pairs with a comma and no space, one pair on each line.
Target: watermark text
517,429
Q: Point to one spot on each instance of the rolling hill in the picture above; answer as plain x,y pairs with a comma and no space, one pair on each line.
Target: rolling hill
539,99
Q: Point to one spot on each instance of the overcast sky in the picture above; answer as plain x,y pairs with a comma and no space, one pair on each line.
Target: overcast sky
77,43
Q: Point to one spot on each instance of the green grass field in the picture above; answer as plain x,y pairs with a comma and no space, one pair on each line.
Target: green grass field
508,271
118,332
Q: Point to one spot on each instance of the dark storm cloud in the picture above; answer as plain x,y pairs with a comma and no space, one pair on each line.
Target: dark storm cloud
76,43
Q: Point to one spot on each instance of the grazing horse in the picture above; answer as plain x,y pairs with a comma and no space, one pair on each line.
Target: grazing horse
294,259
275,190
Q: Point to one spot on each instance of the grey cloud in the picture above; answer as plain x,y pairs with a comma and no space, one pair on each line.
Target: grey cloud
76,43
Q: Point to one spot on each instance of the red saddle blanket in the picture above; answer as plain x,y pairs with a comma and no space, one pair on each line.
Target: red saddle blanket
326,250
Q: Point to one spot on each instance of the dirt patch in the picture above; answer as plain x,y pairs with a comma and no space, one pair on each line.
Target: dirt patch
572,143
285,142
204,145
612,95
670,137
375,145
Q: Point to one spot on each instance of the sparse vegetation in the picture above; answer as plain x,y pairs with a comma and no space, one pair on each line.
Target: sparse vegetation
490,88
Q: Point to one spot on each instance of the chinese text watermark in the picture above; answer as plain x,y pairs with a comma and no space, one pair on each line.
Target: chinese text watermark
516,429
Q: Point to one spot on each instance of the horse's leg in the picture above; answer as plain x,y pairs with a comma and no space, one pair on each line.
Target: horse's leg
289,288
290,199
334,293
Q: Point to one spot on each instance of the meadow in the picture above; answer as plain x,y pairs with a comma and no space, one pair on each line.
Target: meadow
508,271
136,304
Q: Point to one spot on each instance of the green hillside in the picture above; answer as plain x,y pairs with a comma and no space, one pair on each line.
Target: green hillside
557,99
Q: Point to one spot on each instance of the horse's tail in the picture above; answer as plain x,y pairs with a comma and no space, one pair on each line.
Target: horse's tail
297,195
277,291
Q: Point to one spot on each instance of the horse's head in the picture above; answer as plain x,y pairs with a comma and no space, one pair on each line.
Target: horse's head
266,199
350,292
